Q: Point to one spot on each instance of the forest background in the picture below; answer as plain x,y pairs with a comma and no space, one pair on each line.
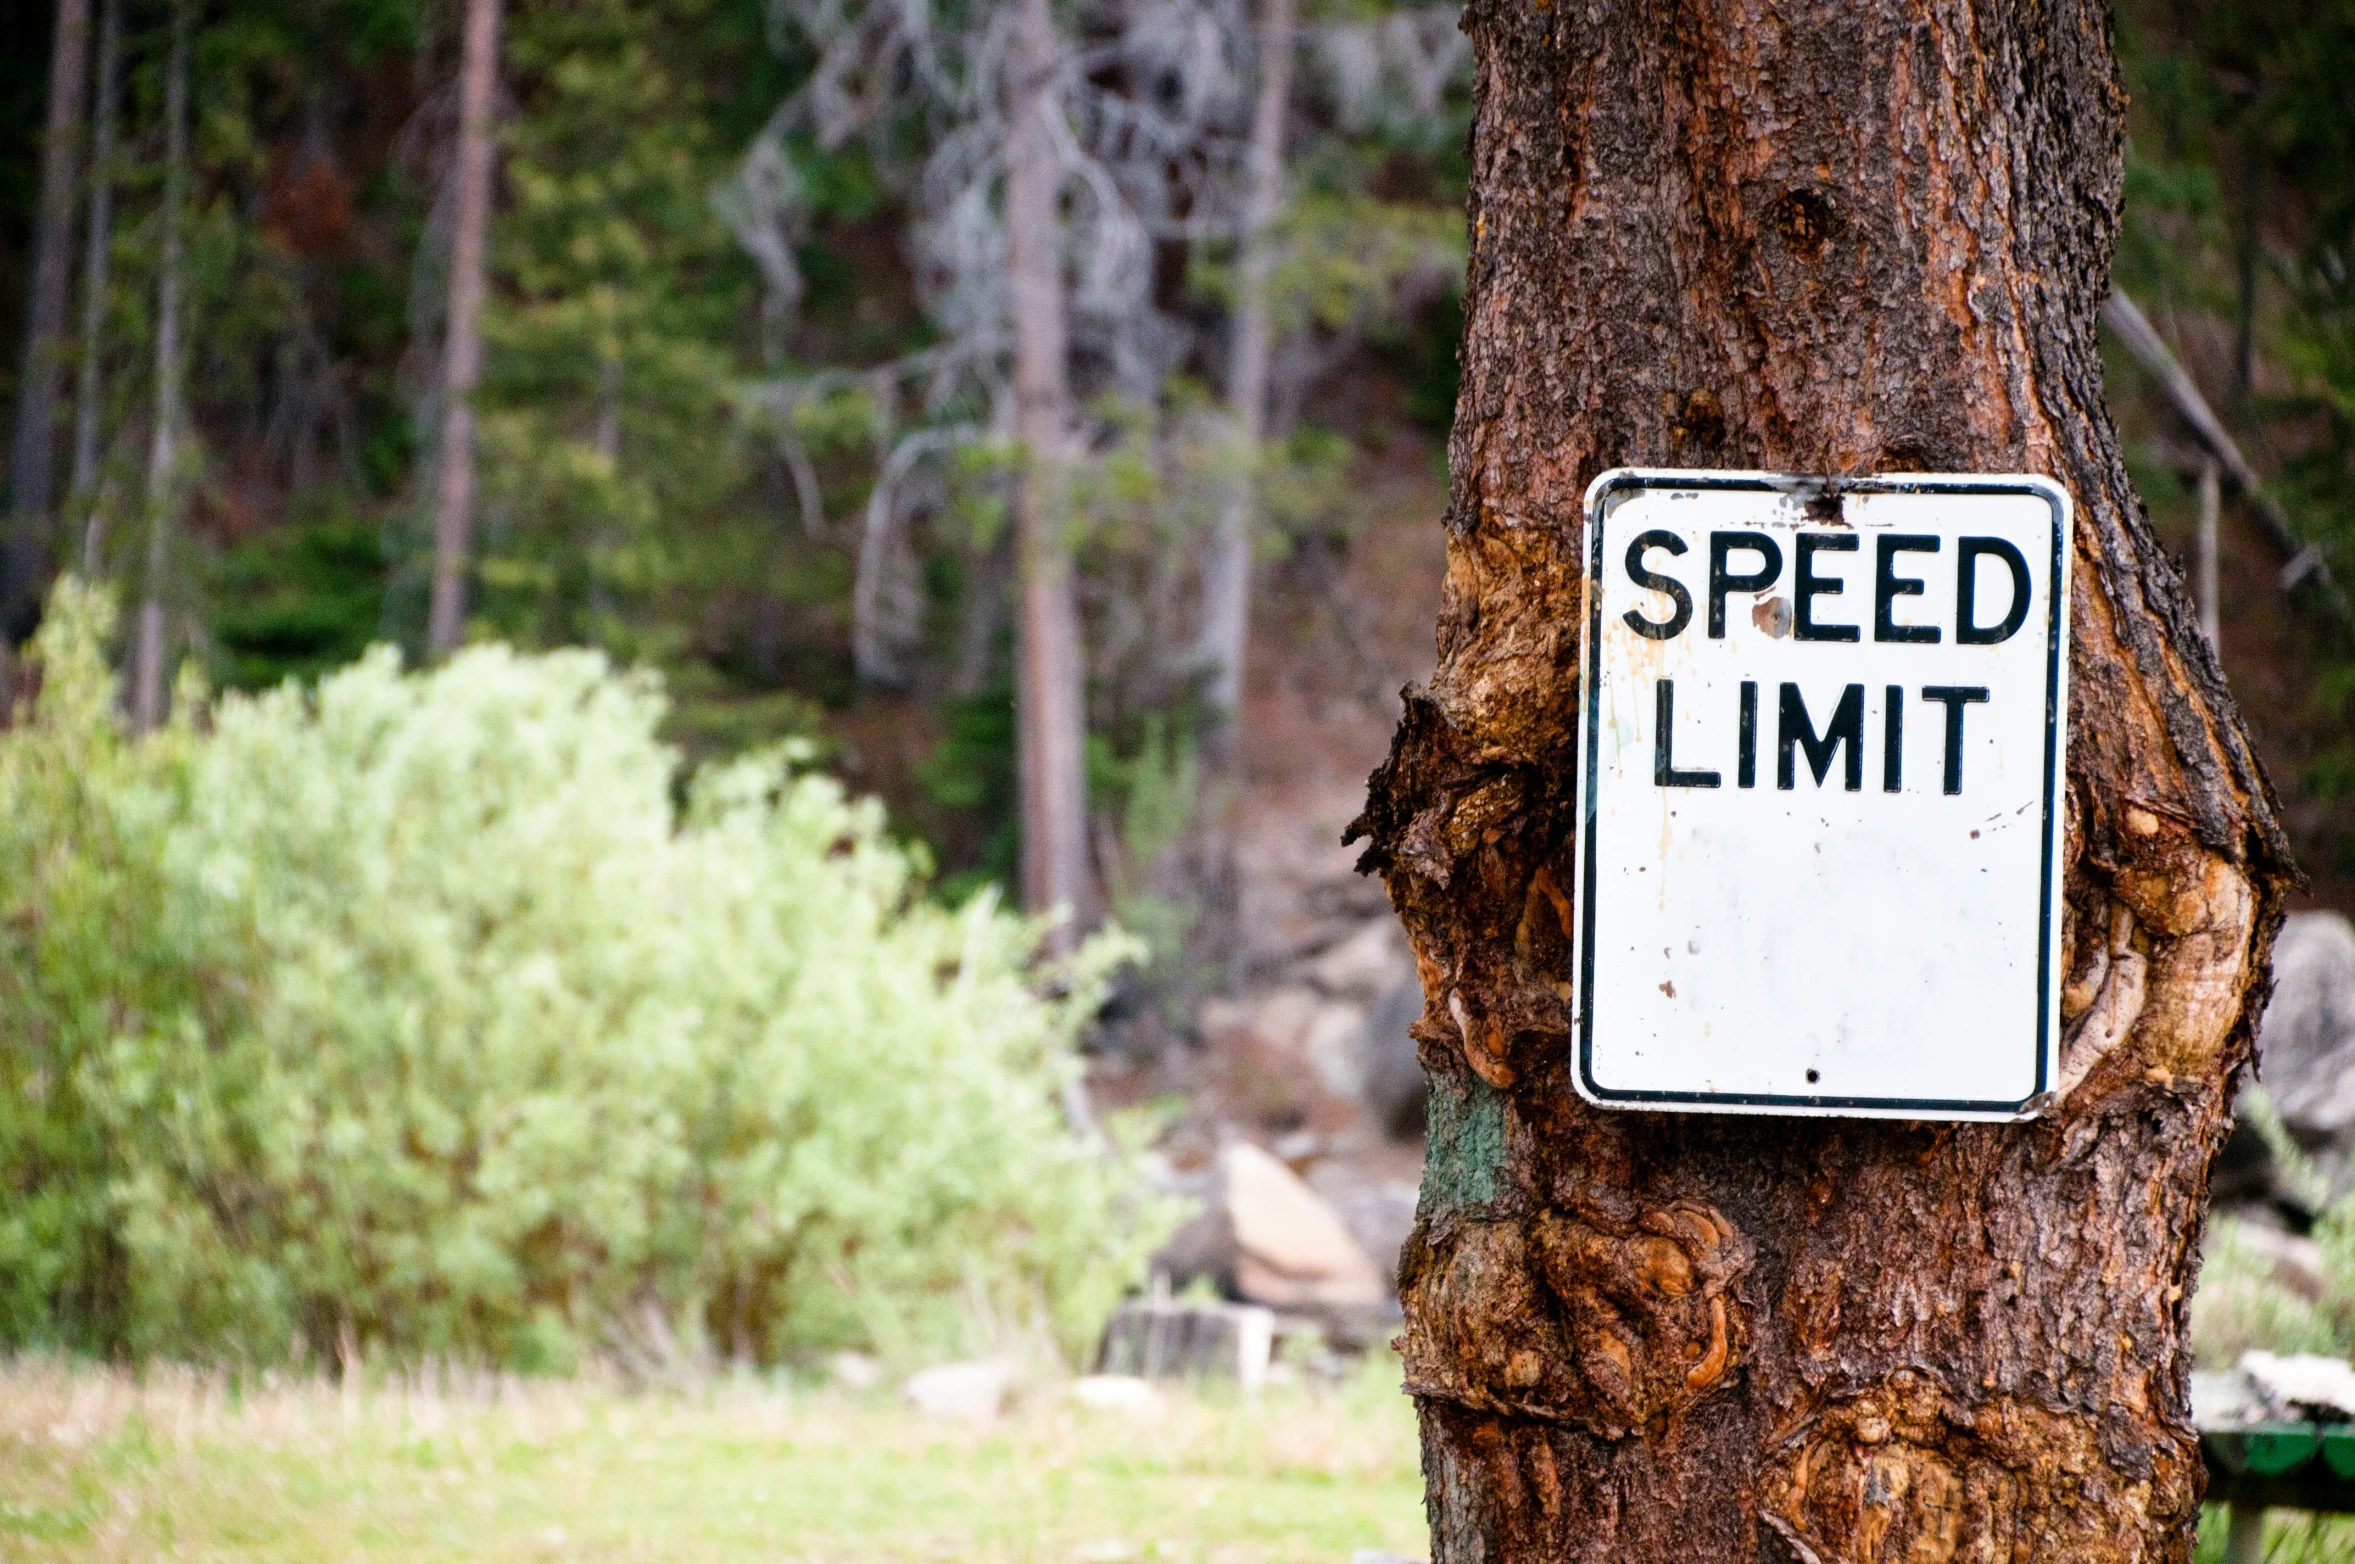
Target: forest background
736,420
751,416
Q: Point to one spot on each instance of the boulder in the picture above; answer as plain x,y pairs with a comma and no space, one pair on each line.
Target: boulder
1264,1236
1291,1250
2302,1385
1395,1089
1379,1213
970,1392
2306,1042
1116,1393
1371,958
854,1371
1298,1024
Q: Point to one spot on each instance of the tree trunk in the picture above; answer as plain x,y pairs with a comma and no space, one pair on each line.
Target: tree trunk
32,451
1050,714
453,525
1832,237
1226,595
163,455
96,264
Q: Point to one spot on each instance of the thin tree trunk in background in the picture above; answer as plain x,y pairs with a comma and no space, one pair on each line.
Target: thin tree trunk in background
607,439
1842,236
2244,333
1226,605
1050,713
96,264
32,449
453,526
163,456
2211,503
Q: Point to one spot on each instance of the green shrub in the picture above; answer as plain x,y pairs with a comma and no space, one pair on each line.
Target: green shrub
413,1013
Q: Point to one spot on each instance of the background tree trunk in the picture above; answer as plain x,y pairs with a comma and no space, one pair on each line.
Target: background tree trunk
1226,607
453,525
163,455
32,450
1834,237
1050,710
96,264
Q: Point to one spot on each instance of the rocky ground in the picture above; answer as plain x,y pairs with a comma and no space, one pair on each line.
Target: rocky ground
1304,1053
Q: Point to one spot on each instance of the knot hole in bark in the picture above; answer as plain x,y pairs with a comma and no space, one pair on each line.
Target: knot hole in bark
1803,220
1700,421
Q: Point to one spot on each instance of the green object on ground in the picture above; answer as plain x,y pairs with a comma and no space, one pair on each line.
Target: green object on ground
2277,1448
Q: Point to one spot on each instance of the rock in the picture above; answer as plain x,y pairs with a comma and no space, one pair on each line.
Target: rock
1115,1393
2306,1042
2225,1400
1330,1044
970,1392
1264,1236
1291,1250
854,1371
1298,1023
1394,1086
2303,1384
1203,1247
1379,1216
1363,963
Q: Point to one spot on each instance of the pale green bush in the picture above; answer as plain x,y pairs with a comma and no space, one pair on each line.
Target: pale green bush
412,1013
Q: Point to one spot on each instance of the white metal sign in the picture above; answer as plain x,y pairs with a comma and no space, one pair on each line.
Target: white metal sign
1820,794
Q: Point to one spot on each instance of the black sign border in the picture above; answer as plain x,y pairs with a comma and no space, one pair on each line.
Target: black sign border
1600,498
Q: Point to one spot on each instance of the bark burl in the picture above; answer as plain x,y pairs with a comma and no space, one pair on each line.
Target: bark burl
1833,236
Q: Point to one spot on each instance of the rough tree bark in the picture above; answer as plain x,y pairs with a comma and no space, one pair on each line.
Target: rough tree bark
32,449
163,454
1841,237
1226,596
453,525
1049,697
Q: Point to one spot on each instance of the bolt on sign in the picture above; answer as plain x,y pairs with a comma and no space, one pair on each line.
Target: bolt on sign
1820,794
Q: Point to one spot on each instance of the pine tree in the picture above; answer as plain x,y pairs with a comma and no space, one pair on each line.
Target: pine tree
32,451
166,456
453,531
1655,1336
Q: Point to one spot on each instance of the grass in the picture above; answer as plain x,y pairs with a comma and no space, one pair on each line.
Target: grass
2291,1537
97,1465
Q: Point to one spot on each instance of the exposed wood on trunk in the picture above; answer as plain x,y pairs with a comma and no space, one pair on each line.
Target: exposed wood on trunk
1049,690
1226,595
453,527
32,449
1834,238
97,263
163,453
